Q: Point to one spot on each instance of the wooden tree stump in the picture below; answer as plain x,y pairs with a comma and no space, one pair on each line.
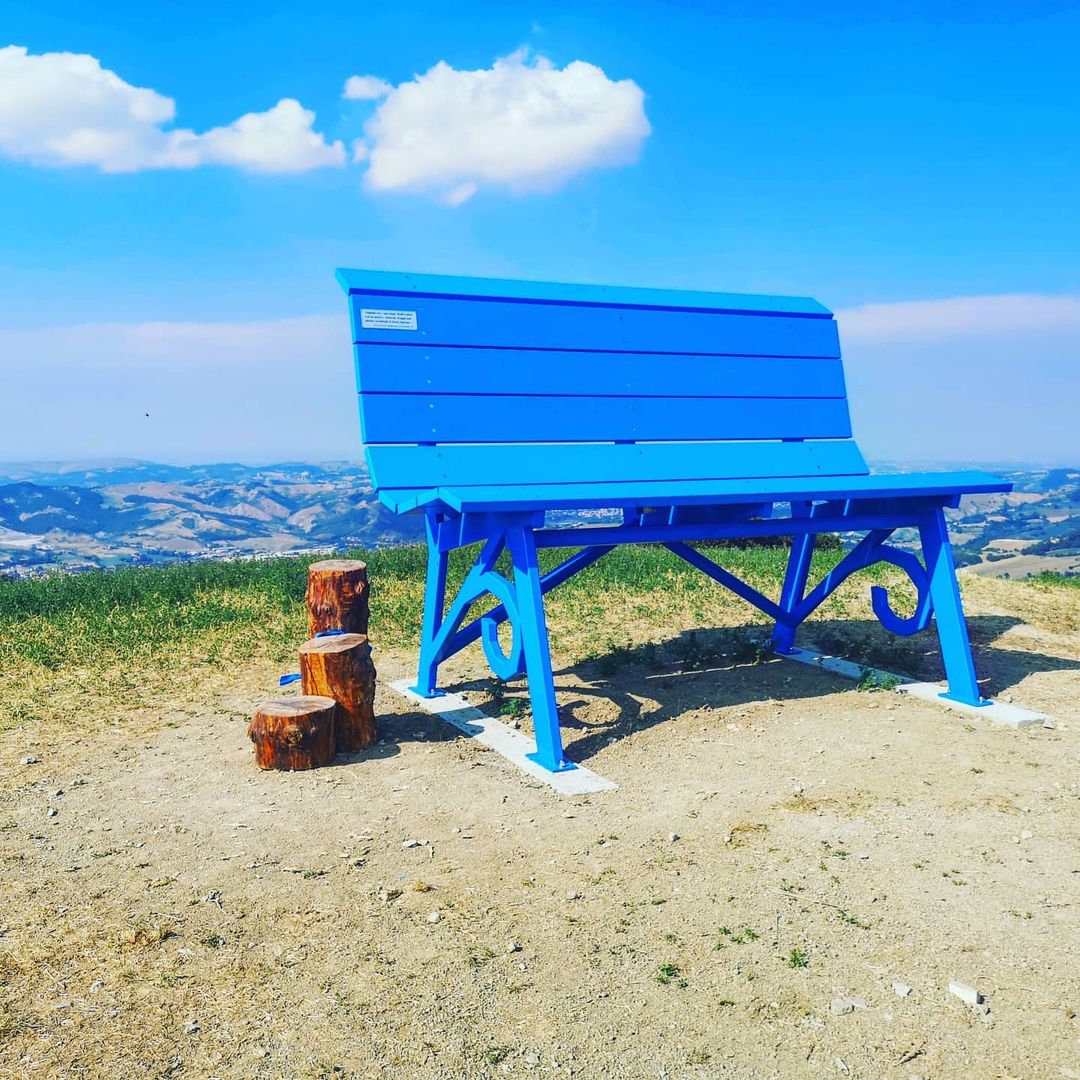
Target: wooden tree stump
337,596
294,732
340,667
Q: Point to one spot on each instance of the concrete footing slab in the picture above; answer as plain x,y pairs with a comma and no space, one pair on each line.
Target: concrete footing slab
504,740
998,711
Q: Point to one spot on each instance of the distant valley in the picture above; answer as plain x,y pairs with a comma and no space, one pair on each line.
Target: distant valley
77,516
83,516
1033,529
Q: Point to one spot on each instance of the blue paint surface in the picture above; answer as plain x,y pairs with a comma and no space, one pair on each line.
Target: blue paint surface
391,369
512,465
439,285
508,418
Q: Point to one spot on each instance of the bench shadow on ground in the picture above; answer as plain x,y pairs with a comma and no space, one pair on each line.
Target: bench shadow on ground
388,746
648,685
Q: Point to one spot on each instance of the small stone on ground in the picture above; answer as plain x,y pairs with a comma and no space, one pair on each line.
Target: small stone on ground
965,993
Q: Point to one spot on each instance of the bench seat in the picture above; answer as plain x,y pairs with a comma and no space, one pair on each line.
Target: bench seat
627,494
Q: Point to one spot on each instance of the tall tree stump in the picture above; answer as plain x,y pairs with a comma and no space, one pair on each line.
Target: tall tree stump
337,596
340,667
294,732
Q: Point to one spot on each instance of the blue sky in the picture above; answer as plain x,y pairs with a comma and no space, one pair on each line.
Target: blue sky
901,166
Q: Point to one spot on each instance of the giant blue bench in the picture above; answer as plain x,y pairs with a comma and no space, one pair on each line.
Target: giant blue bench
484,404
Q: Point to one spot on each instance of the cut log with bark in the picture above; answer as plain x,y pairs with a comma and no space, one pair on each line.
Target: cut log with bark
294,732
337,596
340,667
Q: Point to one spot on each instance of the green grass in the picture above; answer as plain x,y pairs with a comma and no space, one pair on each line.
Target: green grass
798,959
877,680
134,613
140,637
140,613
515,708
668,974
736,937
1051,580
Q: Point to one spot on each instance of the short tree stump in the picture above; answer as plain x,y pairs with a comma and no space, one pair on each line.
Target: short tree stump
337,596
293,733
340,667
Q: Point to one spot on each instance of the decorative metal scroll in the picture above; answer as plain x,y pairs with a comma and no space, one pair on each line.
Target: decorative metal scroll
481,579
879,596
504,665
871,549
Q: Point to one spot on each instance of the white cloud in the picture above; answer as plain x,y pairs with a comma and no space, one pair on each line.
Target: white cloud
59,109
518,125
280,140
365,88
960,316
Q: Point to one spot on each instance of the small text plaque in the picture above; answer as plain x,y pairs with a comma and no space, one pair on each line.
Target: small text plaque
384,319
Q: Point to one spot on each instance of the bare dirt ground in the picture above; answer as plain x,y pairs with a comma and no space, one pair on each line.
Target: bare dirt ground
778,841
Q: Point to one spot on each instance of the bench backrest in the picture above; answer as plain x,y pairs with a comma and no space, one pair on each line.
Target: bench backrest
461,378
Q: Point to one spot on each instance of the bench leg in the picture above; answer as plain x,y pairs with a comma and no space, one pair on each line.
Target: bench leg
948,612
434,599
534,638
798,568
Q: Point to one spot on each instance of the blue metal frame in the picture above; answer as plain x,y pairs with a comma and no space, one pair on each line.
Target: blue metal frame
521,595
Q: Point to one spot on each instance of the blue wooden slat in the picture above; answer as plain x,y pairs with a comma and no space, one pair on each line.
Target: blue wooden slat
405,500
390,368
696,492
382,281
520,325
529,464
449,418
